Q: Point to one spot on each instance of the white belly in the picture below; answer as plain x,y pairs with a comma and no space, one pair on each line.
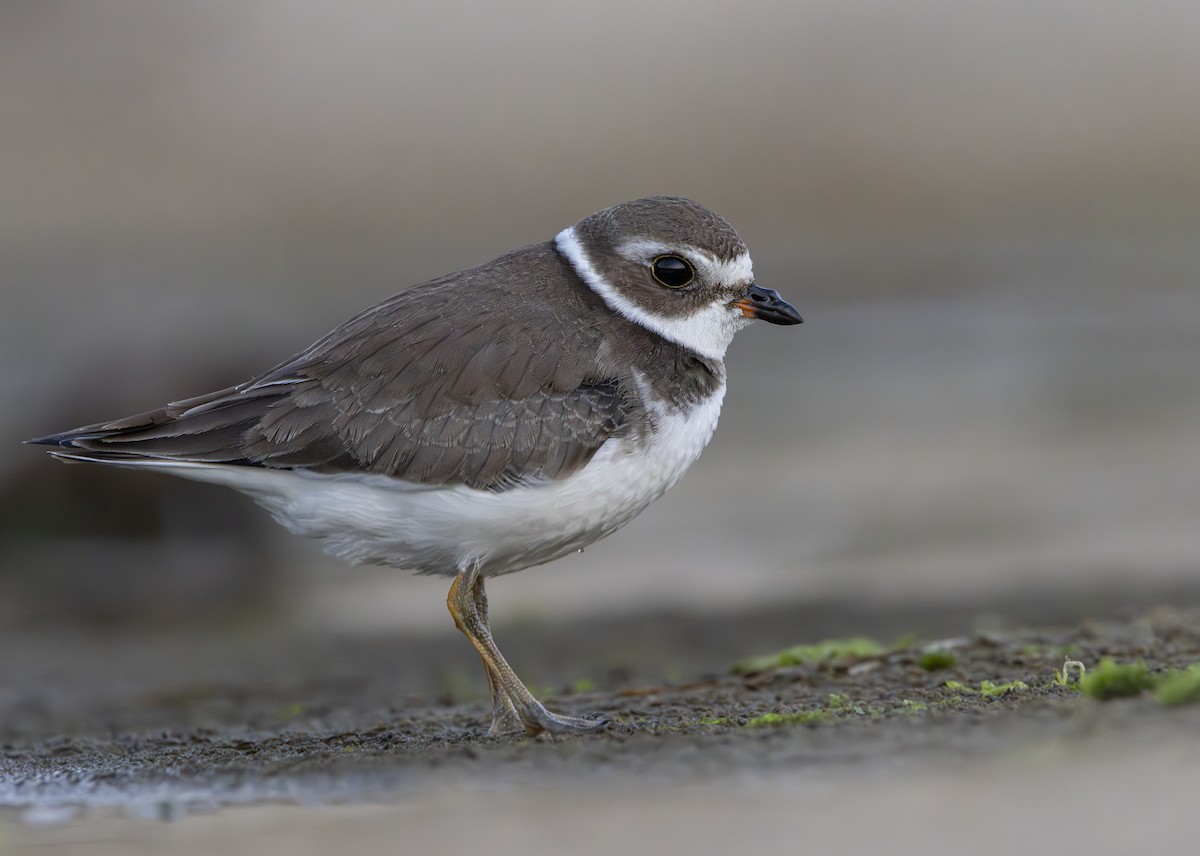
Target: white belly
436,530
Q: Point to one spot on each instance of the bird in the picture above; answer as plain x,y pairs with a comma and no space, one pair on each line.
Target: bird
485,421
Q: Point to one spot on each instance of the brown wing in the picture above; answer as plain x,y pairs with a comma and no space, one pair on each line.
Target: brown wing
430,387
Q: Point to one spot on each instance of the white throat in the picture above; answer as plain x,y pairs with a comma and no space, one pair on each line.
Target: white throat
707,331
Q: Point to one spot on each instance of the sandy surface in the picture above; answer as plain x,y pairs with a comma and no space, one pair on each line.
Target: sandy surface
271,743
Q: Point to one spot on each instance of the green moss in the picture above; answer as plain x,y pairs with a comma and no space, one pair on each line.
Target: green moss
827,651
1115,680
583,685
932,661
911,706
799,717
1178,686
1111,680
845,705
989,690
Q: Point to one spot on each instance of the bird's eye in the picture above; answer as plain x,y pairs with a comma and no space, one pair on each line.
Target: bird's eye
673,271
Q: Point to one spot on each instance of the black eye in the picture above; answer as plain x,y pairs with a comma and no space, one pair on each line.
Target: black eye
672,271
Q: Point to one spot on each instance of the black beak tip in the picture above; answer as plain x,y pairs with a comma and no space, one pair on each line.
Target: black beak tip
789,315
769,306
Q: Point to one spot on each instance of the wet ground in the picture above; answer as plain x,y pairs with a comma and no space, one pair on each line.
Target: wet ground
985,432
385,736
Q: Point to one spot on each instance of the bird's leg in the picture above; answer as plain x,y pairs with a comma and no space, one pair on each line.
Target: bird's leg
463,602
505,719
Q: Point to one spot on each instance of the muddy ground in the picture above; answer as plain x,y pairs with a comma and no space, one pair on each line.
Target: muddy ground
101,735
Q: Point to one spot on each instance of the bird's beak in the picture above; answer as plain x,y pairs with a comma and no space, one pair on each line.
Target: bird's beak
766,304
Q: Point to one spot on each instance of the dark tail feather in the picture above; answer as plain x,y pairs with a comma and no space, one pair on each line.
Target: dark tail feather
211,429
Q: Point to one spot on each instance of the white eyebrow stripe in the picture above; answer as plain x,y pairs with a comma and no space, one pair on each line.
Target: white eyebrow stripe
729,271
737,269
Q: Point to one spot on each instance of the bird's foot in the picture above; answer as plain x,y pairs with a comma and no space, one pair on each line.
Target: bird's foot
538,720
507,722
505,719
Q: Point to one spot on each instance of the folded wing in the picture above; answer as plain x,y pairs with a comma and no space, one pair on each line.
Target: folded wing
411,389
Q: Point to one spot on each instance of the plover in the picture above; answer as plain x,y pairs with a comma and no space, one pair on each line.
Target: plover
485,421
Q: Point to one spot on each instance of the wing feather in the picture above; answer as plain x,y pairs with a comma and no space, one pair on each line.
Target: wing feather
446,383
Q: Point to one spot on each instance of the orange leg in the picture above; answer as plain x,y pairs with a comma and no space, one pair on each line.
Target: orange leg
512,703
505,719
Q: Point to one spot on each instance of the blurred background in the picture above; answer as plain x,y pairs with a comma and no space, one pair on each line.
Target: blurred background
987,213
